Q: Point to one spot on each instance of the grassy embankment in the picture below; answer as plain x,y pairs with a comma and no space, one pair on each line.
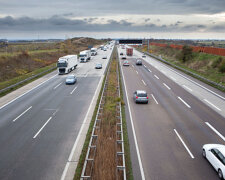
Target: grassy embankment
209,66
20,61
105,158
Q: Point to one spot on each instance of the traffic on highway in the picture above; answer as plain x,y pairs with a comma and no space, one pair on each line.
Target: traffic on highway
171,135
39,127
174,122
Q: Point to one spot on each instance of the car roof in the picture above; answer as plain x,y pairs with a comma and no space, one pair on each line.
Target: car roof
221,149
71,75
141,92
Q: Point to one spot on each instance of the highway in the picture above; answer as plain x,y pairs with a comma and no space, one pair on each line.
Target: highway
166,135
38,129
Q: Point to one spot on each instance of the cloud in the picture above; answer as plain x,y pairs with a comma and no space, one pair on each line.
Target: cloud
43,8
61,24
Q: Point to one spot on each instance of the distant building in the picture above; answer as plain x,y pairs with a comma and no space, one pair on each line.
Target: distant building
3,43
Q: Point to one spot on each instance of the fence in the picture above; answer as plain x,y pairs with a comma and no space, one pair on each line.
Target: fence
208,50
120,156
189,72
26,80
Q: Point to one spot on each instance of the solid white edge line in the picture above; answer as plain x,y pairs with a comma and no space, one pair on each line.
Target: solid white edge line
212,105
57,86
193,81
143,82
184,102
184,144
149,70
166,86
156,77
22,113
136,72
220,135
73,90
79,134
26,92
187,88
132,125
187,79
173,78
42,127
154,99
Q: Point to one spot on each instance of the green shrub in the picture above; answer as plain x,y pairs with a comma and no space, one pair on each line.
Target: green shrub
222,67
217,62
186,53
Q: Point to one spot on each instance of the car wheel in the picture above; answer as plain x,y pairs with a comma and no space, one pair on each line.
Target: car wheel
220,174
203,153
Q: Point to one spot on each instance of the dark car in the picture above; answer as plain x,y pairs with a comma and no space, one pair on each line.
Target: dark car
139,62
98,66
124,57
140,96
71,79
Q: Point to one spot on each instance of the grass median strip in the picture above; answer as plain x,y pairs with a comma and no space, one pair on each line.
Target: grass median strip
105,159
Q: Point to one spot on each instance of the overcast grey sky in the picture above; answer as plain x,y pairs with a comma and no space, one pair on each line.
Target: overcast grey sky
101,18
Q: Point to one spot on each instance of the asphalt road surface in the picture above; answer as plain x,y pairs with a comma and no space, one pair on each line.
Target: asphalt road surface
172,128
38,130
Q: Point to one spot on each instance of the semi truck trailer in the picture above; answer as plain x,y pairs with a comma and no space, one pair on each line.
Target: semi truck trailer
67,63
93,51
129,51
85,56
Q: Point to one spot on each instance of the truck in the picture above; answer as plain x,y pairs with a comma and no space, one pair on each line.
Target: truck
129,51
85,56
93,51
67,63
101,47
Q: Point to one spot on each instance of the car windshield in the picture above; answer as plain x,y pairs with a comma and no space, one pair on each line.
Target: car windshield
98,64
142,95
70,77
125,61
82,55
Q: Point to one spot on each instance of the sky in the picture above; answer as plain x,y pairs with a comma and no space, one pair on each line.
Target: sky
160,19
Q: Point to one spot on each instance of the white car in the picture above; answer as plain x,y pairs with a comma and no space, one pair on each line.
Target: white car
215,154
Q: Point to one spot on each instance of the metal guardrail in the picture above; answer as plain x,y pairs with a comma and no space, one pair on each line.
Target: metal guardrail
89,159
25,80
186,71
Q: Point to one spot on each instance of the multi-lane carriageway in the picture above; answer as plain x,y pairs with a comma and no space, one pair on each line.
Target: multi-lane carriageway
39,129
166,135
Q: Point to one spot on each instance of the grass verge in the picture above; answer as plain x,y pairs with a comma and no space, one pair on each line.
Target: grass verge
210,74
23,77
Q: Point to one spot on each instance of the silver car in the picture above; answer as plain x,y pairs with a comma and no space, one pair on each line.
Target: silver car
140,96
71,79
